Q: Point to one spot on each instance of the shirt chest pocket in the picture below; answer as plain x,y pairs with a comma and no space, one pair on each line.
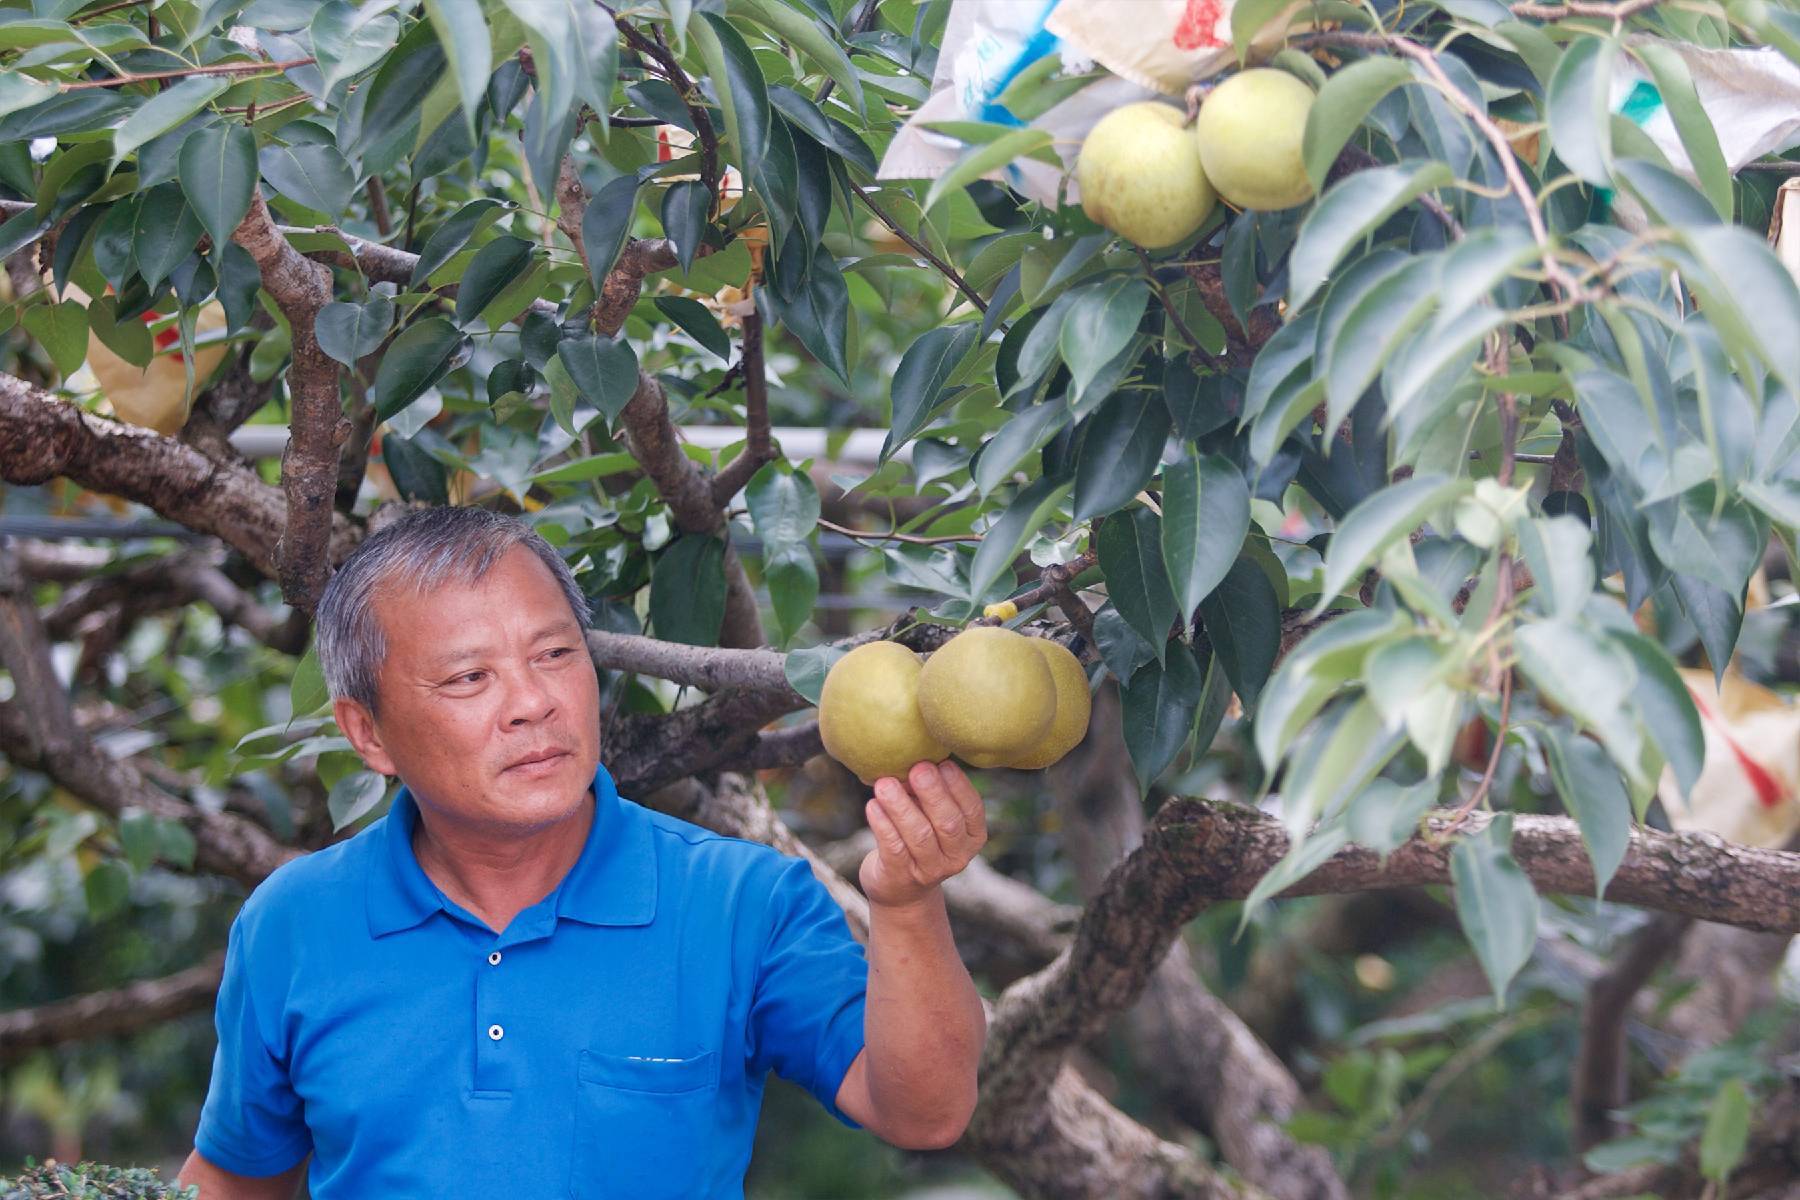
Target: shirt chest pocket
644,1126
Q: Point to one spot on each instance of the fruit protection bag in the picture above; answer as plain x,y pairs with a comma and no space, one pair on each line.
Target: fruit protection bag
1751,96
988,44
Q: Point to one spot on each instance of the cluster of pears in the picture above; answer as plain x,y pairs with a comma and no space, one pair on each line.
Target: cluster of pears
1148,178
990,695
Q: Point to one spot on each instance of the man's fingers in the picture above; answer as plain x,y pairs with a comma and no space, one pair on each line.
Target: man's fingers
921,839
947,816
968,800
886,836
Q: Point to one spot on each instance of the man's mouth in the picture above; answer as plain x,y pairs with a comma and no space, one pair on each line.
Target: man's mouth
541,761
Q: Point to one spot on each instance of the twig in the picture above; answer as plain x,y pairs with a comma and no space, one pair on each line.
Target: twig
873,535
1584,8
758,448
865,21
215,69
1162,294
923,251
669,67
378,207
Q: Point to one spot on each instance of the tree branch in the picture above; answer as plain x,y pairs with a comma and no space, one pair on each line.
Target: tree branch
1599,1084
309,464
922,250
710,667
249,68
758,449
42,437
118,1010
38,732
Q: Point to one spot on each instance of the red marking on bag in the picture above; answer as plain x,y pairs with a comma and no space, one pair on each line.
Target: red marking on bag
1769,790
1195,29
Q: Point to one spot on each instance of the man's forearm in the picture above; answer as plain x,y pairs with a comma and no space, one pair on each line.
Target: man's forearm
924,1026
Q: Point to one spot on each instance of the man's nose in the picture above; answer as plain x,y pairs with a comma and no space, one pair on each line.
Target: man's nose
528,700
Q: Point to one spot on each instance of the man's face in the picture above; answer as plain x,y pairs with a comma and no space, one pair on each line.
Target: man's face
477,678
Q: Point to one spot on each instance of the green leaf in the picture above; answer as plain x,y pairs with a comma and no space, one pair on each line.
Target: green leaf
1158,707
416,474
166,231
1368,529
1120,450
1375,324
1247,20
1591,791
349,331
983,157
1727,1132
1243,622
1281,359
450,237
697,321
312,174
1688,538
1348,96
806,669
811,40
1131,559
1748,296
307,692
348,40
18,93
744,95
354,797
1025,432
164,111
604,225
1666,706
684,210
106,888
1100,322
1006,537
835,136
1349,212
1206,513
687,590
920,379
793,581
1576,104
399,89
423,354
1562,570
218,173
783,503
1676,86
1495,903
463,33
494,267
1300,861
605,371
62,330
1325,662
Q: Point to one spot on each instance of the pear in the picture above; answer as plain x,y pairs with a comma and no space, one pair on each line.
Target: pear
1073,706
869,713
987,695
1140,175
1249,133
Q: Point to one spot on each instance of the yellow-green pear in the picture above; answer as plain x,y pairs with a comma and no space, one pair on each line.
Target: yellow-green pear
1140,175
1073,706
987,695
869,713
1249,133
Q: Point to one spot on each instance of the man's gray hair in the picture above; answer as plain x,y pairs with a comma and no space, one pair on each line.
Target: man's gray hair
423,551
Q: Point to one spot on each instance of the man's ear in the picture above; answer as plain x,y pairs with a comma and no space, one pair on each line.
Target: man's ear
358,725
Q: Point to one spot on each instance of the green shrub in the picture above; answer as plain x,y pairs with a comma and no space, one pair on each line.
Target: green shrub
92,1181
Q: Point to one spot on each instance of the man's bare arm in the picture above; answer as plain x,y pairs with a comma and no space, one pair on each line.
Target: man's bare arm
216,1183
914,1083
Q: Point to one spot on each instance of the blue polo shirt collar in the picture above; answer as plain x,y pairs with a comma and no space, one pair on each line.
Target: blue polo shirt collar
612,883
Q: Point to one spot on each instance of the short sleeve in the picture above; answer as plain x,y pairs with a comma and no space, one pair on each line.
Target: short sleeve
252,1122
812,983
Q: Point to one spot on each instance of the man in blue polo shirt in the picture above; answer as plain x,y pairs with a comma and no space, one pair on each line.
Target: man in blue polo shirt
518,982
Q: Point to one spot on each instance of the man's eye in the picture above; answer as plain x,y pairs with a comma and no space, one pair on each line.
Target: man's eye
560,651
469,677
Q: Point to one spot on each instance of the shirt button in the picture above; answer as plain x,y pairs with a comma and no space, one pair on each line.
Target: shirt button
495,1032
494,959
